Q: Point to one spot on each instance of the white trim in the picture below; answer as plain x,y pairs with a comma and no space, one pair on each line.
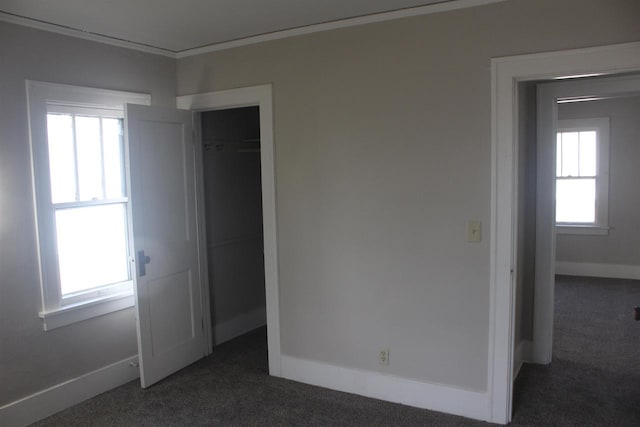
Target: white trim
502,247
239,325
521,356
435,397
444,6
582,230
39,96
506,73
262,97
66,394
67,315
591,269
202,234
601,126
85,35
82,96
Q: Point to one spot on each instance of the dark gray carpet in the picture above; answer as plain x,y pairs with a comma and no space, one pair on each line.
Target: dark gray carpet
231,387
592,381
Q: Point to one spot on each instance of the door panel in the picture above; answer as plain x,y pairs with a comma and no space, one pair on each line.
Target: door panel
167,310
168,292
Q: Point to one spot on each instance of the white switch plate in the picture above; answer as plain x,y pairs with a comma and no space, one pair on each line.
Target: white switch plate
474,231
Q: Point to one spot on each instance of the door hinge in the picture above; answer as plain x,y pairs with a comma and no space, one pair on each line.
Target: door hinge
202,323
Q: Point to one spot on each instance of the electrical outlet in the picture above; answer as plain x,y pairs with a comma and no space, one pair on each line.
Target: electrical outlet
474,231
383,356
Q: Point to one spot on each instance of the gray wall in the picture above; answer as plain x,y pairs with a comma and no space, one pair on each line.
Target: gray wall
233,201
621,245
526,248
383,153
31,359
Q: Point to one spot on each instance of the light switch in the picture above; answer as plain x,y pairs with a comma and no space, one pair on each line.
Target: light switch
474,231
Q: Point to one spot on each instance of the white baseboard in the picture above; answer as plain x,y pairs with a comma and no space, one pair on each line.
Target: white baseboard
64,395
614,271
239,325
437,397
522,354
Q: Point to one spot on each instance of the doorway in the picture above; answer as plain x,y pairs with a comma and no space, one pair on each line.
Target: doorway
506,74
260,97
561,100
582,335
233,220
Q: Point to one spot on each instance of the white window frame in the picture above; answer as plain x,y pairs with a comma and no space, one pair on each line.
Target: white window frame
41,98
601,126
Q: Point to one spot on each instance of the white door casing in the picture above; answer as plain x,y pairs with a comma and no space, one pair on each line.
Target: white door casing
506,74
260,96
168,293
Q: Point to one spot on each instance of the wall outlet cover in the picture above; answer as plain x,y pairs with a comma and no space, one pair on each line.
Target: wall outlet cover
383,356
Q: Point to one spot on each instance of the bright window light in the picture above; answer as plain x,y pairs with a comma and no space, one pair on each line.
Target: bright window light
576,177
113,157
61,158
576,201
81,201
86,159
582,173
92,247
89,152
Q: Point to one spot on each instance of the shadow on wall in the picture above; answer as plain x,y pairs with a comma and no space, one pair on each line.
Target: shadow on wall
233,203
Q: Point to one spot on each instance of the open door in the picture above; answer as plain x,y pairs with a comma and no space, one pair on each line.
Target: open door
165,240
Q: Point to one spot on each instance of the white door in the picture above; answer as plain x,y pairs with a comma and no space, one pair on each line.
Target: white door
163,201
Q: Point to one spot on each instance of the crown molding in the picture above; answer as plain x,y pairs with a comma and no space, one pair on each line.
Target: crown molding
445,6
85,35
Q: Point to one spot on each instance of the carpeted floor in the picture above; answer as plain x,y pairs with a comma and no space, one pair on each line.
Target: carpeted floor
593,380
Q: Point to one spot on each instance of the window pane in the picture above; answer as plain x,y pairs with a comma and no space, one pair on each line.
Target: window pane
92,247
588,153
570,154
576,200
113,157
89,157
559,154
61,158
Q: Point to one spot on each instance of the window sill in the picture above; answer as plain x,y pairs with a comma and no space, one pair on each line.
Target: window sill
78,312
582,229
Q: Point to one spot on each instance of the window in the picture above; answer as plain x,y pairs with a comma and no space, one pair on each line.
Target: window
582,176
82,203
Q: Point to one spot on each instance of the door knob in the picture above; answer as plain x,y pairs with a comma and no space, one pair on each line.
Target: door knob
143,260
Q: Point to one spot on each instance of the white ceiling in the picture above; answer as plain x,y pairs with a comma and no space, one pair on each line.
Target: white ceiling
180,25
